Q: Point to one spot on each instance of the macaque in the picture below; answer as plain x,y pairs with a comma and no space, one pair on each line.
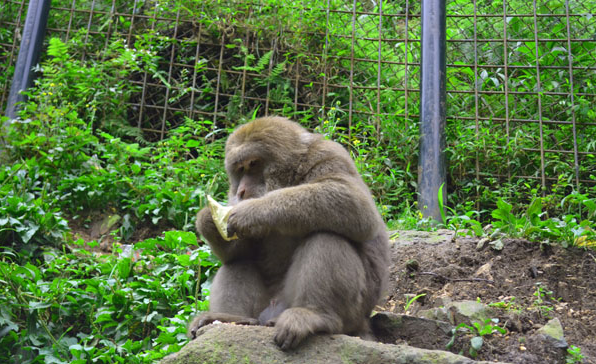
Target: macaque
311,253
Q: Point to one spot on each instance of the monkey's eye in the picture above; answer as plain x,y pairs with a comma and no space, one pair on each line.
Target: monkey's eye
253,163
241,169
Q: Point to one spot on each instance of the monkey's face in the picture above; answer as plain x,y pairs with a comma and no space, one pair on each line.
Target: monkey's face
247,179
263,156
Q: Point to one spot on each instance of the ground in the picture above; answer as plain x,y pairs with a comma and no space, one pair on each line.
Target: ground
530,282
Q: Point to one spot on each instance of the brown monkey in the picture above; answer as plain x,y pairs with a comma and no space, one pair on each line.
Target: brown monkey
312,252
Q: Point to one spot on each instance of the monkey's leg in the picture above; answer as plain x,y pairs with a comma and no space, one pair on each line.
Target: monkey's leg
324,289
237,295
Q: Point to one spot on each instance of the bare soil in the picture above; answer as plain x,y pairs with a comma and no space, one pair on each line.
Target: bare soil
532,282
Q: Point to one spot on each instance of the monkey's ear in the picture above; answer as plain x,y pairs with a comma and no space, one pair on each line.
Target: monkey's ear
220,215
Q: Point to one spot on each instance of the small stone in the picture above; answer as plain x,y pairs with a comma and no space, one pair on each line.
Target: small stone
412,265
481,243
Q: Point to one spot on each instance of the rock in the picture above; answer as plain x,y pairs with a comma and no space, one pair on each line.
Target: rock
481,243
419,332
485,271
412,265
226,343
546,345
553,333
459,311
470,311
104,226
437,313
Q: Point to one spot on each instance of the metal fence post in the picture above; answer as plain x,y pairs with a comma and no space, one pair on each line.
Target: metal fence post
33,34
432,168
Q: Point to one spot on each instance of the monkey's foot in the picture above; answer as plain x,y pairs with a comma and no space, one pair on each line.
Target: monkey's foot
296,324
210,317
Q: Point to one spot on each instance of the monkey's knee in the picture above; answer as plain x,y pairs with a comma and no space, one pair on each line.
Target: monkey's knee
328,276
326,266
238,289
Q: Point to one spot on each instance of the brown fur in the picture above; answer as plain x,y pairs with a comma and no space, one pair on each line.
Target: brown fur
312,255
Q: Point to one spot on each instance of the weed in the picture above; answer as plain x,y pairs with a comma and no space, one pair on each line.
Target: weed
507,304
412,300
544,300
574,355
478,331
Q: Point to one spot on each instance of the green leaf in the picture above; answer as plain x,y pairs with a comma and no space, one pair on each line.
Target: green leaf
535,206
135,168
503,206
441,203
39,305
193,143
124,267
27,233
177,239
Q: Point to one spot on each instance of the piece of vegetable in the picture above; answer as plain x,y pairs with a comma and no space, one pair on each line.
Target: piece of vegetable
220,214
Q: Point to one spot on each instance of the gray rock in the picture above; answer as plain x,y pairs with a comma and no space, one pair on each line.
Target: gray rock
104,226
437,313
419,332
470,311
460,311
553,333
226,343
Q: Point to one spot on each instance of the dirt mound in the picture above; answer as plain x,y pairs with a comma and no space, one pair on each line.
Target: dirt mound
526,284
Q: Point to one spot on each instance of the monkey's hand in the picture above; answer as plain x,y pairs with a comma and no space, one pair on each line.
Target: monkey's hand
220,216
224,250
206,226
246,220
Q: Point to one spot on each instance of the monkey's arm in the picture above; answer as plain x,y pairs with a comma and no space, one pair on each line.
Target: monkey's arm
224,250
339,204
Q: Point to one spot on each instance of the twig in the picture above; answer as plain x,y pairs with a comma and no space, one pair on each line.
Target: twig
457,279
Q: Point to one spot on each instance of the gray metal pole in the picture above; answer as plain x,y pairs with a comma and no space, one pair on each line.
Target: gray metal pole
432,168
33,34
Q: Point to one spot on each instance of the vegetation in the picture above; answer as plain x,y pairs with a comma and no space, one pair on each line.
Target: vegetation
477,331
74,152
78,307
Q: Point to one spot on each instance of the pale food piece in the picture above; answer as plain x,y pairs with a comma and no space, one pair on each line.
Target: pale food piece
220,214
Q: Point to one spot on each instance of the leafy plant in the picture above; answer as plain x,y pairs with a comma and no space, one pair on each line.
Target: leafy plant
478,331
79,307
507,304
544,300
28,219
574,355
457,222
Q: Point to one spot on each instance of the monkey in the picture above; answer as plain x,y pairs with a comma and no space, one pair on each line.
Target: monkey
312,251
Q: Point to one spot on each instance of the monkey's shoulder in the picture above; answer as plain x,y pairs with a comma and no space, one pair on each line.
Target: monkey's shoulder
328,157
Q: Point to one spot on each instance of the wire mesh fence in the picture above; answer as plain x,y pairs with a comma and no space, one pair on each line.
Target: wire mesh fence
520,75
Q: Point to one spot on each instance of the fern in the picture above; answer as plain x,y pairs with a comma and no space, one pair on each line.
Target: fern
277,70
58,50
260,66
264,61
